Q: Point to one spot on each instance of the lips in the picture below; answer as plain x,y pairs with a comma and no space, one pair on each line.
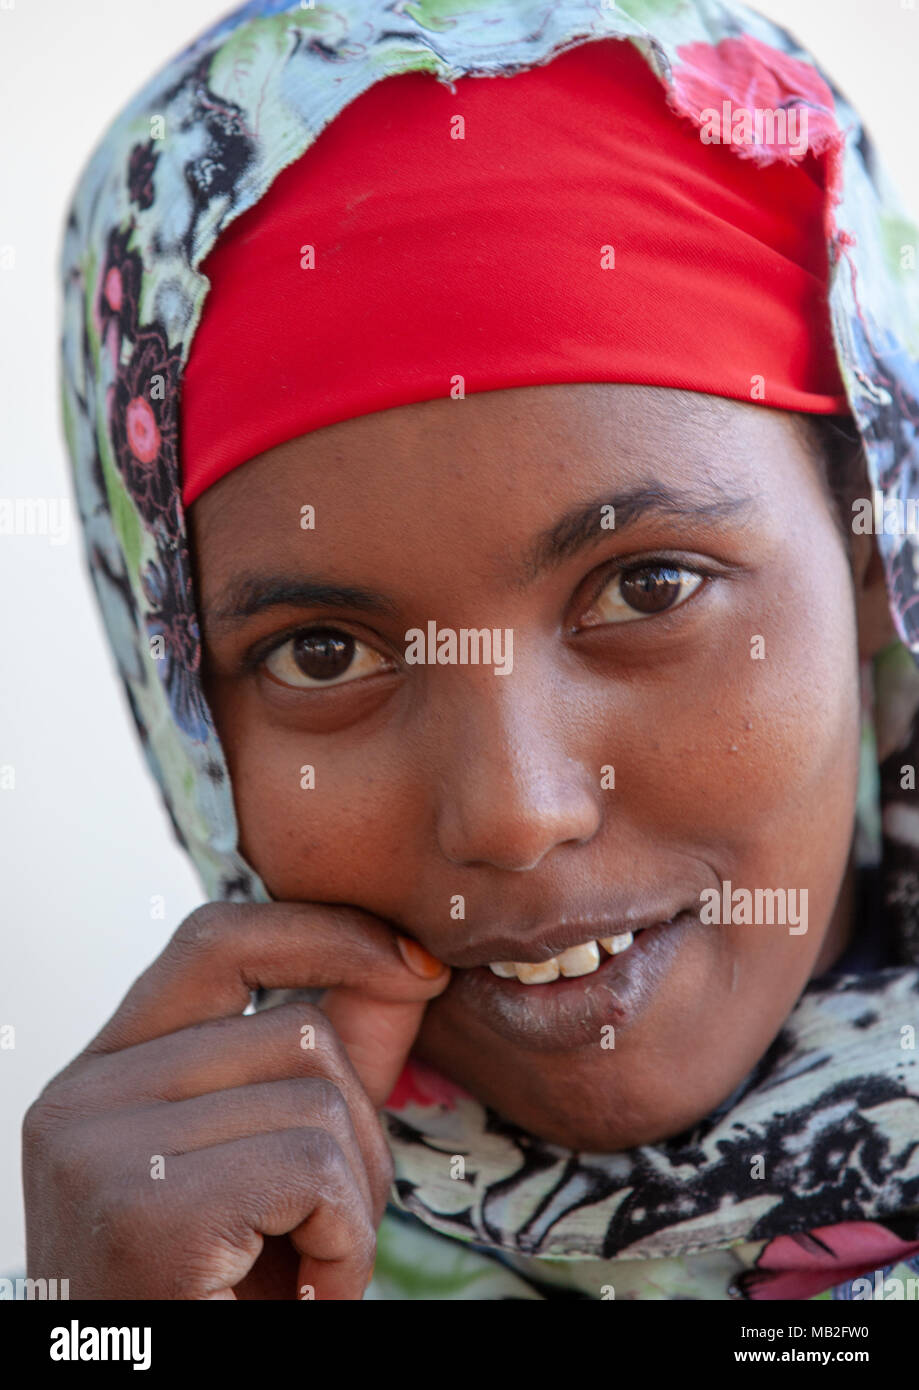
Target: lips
554,939
569,1011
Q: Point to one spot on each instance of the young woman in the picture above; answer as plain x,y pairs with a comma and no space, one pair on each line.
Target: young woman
489,440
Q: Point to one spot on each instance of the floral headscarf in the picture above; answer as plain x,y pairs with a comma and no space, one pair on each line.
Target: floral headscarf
833,1107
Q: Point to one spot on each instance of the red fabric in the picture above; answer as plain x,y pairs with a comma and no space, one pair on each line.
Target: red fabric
481,258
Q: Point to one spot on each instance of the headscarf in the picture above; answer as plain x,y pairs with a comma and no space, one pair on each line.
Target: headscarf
392,259
833,1107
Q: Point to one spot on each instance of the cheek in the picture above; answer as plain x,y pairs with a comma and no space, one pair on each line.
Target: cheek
753,772
319,819
757,739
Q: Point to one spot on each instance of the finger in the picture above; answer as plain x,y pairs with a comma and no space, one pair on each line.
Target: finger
225,950
221,1055
377,1036
167,1130
297,1182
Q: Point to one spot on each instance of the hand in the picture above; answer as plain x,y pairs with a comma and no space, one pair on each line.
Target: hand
275,1168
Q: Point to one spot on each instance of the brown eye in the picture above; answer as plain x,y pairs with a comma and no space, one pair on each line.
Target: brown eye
641,593
651,590
323,656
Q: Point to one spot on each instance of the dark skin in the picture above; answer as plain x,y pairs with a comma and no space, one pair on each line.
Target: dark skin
724,763
433,781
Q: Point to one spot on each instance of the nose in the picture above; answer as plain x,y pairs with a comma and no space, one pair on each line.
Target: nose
511,790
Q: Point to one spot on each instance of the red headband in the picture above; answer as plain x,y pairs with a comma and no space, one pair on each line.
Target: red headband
483,258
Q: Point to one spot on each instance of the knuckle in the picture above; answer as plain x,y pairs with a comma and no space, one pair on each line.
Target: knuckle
116,1222
322,1150
331,1102
41,1123
203,928
317,1152
35,1126
74,1160
306,1162
328,1041
322,1043
219,1255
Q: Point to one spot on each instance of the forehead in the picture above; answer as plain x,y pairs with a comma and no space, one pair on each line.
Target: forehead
479,476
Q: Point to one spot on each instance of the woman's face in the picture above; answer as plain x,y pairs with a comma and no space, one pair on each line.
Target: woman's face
671,703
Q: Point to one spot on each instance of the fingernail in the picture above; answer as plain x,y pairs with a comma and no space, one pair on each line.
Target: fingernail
418,959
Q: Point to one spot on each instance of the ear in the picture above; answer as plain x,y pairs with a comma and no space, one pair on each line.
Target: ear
876,628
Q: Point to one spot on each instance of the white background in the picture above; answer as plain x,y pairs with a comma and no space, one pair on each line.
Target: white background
84,841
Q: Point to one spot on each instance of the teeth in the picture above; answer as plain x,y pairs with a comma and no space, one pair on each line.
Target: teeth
580,960
538,972
577,960
615,944
504,968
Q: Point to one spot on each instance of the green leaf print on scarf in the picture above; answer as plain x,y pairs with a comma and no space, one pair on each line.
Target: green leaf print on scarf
124,513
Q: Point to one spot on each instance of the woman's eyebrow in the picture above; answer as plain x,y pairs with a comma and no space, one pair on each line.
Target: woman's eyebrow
249,594
583,525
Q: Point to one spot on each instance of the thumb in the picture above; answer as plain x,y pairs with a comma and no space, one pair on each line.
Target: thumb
378,1033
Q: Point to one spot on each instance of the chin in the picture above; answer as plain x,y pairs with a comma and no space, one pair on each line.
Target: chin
601,1134
573,1107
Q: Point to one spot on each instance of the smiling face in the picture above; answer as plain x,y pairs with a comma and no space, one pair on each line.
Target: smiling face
681,710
